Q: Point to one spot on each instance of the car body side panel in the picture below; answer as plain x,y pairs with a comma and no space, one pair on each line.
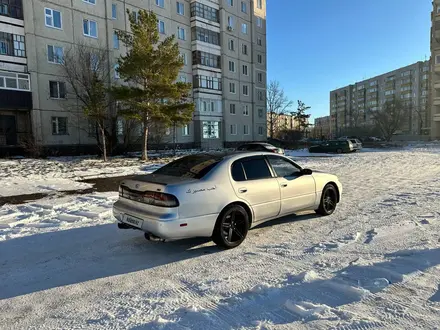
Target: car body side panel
297,193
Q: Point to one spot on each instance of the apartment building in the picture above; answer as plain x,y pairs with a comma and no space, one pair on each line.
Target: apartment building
353,106
281,123
322,127
223,43
435,70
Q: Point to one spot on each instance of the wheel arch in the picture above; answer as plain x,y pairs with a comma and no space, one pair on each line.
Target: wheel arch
245,206
337,189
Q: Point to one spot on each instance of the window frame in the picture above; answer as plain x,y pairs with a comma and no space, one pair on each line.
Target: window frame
180,5
185,130
89,28
296,166
244,28
89,2
58,83
56,118
54,54
159,24
181,29
114,11
53,20
248,159
244,6
231,130
160,3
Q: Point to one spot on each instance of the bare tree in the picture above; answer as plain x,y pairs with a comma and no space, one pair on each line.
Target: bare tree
277,104
87,70
390,118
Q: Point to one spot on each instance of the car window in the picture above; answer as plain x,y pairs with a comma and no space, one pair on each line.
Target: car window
193,166
256,168
237,171
282,167
353,141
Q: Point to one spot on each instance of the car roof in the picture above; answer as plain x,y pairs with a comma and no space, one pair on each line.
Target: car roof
236,154
260,143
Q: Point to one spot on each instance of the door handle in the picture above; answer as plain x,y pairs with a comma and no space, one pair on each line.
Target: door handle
242,190
283,185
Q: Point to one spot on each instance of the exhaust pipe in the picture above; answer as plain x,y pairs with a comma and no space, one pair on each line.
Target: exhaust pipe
153,238
123,226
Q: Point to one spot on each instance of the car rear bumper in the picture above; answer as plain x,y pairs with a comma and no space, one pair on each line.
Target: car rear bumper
169,229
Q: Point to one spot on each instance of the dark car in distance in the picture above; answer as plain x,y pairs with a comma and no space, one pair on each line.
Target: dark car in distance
337,146
260,146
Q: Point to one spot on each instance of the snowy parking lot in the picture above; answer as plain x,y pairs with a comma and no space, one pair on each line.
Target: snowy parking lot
375,263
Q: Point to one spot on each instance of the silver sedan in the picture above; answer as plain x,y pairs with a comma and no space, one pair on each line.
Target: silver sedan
222,195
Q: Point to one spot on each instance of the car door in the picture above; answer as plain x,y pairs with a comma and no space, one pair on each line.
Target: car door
254,183
298,191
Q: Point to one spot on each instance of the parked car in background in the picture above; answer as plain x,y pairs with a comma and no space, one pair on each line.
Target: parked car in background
357,145
260,146
338,146
222,195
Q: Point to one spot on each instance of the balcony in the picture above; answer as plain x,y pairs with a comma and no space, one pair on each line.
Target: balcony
437,85
436,101
12,9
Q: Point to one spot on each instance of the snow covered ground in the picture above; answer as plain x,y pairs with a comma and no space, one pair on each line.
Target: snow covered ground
375,263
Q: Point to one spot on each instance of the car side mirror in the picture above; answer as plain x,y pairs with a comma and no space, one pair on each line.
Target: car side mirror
306,171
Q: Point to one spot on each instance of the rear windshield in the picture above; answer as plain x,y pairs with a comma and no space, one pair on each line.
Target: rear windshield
193,166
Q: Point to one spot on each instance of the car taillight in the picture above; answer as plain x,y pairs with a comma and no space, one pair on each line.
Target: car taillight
160,199
149,197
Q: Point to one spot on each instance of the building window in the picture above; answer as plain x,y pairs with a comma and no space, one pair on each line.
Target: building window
185,130
181,33
211,130
259,4
11,8
205,35
180,8
232,88
260,96
116,69
245,70
230,21
244,49
161,27
92,2
14,81
160,3
115,40
204,11
231,44
260,77
59,125
231,2
260,130
259,22
232,109
234,129
208,105
260,58
244,28
206,59
55,54
184,58
259,41
245,110
243,7
57,89
231,66
260,113
53,18
114,11
245,90
246,129
207,82
90,28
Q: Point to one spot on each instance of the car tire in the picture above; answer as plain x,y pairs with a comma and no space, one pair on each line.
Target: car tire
231,227
339,151
329,200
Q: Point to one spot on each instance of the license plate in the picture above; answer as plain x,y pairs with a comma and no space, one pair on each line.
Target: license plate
133,221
